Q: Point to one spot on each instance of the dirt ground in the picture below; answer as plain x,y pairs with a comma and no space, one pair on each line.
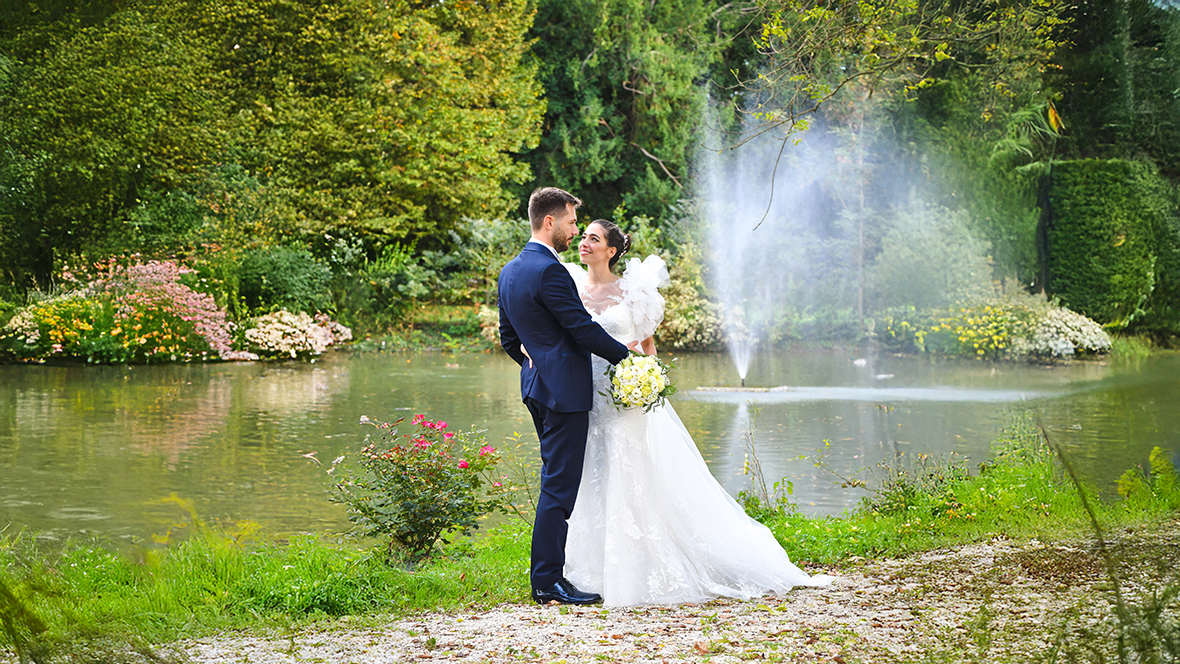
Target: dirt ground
1000,601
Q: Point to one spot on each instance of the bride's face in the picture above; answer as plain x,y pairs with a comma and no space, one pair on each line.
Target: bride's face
593,248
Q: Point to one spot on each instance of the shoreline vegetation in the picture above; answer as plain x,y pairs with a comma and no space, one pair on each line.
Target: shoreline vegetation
147,314
94,601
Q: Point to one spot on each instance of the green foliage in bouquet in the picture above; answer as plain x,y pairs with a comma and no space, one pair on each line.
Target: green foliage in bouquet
415,486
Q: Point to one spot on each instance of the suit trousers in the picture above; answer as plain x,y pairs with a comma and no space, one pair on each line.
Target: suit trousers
563,450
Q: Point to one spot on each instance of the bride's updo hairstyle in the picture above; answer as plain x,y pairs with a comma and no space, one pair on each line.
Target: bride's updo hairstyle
615,238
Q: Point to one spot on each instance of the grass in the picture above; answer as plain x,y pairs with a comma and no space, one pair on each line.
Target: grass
64,599
1130,347
1021,493
435,327
215,581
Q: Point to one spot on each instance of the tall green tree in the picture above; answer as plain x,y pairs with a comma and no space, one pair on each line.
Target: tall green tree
624,81
91,118
1119,74
392,119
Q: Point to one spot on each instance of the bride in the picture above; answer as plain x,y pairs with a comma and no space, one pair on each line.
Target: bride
651,525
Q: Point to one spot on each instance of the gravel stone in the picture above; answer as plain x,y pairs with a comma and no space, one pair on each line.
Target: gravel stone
996,601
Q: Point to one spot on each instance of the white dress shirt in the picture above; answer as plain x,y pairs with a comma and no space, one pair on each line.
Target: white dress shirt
554,251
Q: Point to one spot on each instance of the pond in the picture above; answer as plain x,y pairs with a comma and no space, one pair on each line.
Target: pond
109,451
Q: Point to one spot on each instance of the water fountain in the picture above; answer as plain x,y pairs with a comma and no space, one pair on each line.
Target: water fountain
764,206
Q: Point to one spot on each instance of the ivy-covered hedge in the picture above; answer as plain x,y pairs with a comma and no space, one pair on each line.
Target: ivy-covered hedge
1162,319
1102,247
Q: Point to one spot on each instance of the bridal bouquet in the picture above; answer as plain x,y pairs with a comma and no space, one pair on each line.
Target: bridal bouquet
640,381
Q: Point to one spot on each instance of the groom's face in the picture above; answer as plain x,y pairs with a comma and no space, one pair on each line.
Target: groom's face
565,228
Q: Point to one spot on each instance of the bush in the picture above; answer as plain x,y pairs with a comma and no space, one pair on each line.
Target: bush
1013,326
1102,248
691,321
489,323
140,313
284,334
1162,316
282,277
1061,333
415,486
8,305
1160,486
929,259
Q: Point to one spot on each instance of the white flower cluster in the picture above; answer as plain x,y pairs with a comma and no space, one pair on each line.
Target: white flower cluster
285,333
639,381
489,323
24,326
1061,333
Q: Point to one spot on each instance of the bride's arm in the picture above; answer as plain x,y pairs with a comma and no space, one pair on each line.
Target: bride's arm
648,346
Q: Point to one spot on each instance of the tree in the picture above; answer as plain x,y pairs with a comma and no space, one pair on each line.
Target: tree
395,119
1118,76
90,122
392,120
621,79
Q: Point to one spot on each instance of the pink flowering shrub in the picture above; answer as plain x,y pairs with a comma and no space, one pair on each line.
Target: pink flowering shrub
416,484
114,312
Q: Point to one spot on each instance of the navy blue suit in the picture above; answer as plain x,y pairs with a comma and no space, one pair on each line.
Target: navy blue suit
540,308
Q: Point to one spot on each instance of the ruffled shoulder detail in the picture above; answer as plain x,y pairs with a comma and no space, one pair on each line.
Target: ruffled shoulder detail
639,284
579,273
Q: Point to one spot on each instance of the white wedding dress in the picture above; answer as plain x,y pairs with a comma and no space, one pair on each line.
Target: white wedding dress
651,525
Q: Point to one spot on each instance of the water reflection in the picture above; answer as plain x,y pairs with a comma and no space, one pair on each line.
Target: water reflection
95,449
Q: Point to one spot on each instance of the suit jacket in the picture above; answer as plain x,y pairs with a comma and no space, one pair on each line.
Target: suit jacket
540,308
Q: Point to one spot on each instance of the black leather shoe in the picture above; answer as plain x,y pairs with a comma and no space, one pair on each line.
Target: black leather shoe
564,592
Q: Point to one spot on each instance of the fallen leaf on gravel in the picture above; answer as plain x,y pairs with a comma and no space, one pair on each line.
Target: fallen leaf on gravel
701,647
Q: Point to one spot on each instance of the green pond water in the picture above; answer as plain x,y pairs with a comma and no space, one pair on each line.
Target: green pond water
97,451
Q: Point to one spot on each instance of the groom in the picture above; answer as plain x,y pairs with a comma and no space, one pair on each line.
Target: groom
540,309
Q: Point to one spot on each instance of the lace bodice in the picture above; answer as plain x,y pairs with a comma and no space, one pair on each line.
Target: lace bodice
631,308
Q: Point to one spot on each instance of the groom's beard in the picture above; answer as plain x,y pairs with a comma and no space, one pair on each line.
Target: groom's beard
560,242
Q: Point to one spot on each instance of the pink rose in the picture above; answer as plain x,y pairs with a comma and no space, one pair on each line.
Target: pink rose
448,436
496,484
440,425
486,450
463,463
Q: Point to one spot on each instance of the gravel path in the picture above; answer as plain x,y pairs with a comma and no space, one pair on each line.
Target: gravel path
998,601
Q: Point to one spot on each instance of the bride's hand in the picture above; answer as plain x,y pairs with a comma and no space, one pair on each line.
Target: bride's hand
526,354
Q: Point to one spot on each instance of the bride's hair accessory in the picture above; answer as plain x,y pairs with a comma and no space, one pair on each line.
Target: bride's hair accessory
615,238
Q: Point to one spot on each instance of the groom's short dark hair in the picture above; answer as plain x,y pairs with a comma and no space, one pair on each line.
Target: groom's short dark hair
549,201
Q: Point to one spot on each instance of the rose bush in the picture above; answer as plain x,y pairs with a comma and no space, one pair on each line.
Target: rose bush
414,486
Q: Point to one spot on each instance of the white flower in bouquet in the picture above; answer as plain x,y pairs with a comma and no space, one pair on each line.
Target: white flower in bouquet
640,381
